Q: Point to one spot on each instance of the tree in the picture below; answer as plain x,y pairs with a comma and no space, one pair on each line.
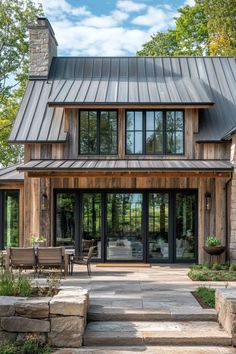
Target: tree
207,28
221,18
15,17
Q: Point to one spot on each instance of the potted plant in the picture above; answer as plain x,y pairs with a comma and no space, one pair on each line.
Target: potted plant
38,241
213,246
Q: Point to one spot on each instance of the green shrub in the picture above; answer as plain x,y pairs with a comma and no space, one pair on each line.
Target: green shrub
232,267
31,345
8,348
216,266
207,295
196,266
196,275
206,266
212,241
15,284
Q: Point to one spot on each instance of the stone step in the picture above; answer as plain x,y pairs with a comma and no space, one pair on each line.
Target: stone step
119,333
99,313
150,350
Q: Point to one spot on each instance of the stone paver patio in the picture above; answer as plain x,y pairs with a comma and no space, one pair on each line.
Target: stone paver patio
165,288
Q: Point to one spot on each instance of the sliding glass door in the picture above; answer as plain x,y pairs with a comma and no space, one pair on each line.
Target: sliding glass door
124,217
152,226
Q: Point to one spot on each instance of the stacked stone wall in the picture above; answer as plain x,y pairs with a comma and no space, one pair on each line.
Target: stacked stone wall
59,321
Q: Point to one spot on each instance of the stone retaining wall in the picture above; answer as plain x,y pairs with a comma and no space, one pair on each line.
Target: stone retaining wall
226,309
59,321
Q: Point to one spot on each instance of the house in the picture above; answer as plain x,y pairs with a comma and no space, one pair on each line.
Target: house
132,154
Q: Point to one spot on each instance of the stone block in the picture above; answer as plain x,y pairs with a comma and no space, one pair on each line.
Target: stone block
7,336
67,323
7,305
33,307
65,339
70,303
22,324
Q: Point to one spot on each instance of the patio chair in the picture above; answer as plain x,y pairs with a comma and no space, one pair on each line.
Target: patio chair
84,261
22,258
86,244
51,257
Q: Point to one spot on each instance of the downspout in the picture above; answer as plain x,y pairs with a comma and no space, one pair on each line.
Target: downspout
226,218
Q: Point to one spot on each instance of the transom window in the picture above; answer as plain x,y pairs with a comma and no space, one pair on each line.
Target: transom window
98,132
154,132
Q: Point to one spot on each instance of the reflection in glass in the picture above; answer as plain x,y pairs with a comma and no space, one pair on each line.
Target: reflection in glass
134,132
65,219
185,226
174,132
158,226
124,226
108,132
11,218
92,223
154,132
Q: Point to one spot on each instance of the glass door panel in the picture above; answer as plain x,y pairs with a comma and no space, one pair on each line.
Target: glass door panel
124,218
92,223
11,218
65,219
158,226
185,233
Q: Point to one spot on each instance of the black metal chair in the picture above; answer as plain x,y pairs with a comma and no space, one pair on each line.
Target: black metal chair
84,260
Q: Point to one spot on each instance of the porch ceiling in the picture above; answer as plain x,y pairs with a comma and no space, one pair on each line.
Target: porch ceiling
126,165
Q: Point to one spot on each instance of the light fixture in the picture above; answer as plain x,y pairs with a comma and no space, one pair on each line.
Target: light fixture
208,201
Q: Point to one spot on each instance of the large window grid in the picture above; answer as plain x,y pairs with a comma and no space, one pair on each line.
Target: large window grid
98,132
157,132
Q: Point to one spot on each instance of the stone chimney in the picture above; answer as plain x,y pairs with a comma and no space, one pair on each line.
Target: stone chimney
42,47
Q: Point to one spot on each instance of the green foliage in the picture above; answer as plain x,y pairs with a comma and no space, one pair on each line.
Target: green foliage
232,267
15,17
8,348
32,345
217,273
207,28
207,295
15,284
212,241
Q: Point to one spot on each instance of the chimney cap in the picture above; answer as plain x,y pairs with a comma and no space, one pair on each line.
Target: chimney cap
43,22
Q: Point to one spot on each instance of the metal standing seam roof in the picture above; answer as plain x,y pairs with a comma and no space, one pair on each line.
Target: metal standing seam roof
129,80
129,165
11,174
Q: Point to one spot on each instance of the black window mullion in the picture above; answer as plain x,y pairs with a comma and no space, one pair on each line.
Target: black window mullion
98,132
164,143
144,142
1,221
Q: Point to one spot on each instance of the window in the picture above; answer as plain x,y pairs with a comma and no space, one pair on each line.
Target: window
9,223
154,132
98,133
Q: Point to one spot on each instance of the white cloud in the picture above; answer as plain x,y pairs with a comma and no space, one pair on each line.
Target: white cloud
130,6
120,32
156,18
189,2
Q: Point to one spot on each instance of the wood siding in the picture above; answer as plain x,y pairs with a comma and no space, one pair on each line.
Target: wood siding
69,150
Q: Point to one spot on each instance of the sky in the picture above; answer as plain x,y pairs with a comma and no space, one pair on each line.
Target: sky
108,27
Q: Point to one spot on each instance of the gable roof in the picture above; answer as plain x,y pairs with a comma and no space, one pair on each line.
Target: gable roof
126,81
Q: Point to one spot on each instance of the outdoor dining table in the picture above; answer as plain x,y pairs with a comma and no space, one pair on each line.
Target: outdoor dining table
69,253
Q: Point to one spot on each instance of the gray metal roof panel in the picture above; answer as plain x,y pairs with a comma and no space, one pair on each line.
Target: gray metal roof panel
11,174
113,165
134,80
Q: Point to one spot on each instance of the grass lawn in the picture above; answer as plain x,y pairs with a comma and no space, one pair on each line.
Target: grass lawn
215,272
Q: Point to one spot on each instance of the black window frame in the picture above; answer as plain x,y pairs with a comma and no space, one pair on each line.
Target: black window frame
2,216
164,131
98,130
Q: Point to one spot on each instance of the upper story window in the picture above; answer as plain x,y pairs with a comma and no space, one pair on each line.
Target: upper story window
98,132
154,132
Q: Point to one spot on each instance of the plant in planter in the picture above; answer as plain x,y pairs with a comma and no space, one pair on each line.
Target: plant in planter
38,241
213,246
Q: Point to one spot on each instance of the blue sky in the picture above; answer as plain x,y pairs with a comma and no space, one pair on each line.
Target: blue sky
108,27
